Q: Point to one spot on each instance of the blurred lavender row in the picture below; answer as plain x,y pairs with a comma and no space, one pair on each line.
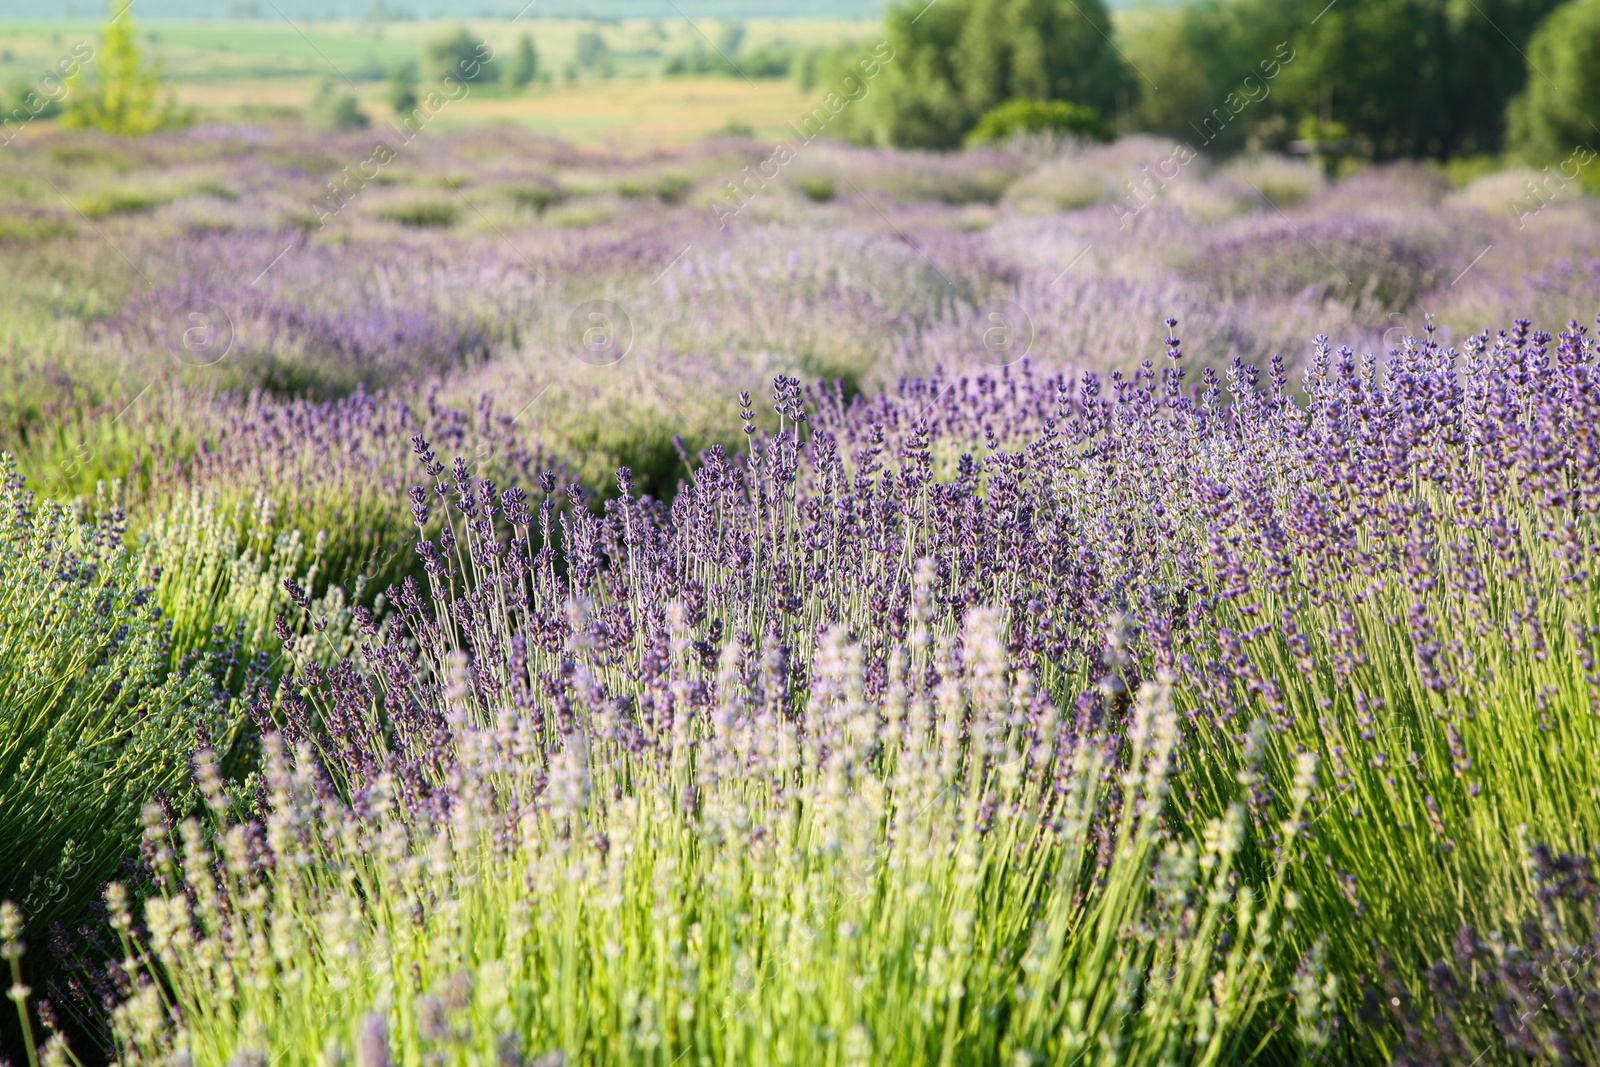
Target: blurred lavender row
468,257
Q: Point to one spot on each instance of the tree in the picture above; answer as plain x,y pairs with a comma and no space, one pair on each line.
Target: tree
954,61
334,110
730,38
1405,77
1558,114
403,87
457,54
1156,46
523,66
122,99
1040,50
592,53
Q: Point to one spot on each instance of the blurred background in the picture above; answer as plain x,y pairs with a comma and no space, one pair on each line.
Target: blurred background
612,217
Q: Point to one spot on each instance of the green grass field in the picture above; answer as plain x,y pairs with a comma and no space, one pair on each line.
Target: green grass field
239,70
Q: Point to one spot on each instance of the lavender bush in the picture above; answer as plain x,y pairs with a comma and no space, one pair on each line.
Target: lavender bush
1082,707
93,720
934,874
216,478
220,574
1364,625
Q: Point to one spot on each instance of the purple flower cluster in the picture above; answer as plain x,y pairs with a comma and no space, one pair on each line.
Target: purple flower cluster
321,320
334,469
1367,575
1537,993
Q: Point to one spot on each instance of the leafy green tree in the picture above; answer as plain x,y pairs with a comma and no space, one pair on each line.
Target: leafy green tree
954,61
1405,77
1155,45
457,54
1557,117
403,79
123,96
523,66
592,53
730,37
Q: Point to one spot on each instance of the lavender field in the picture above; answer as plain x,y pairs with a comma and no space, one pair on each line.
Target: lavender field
501,602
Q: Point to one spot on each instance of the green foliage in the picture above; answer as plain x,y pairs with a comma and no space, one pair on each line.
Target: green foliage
953,62
118,202
222,570
1556,117
730,37
540,196
93,722
403,79
122,99
1157,47
26,100
332,109
30,229
817,188
1405,77
773,60
593,54
903,906
523,65
1038,116
824,66
670,187
456,54
768,61
421,213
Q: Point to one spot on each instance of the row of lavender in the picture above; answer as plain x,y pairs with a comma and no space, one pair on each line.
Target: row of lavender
214,275
832,720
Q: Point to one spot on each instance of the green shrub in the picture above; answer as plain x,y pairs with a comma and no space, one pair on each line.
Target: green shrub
422,213
403,87
540,196
227,568
93,721
944,66
1038,116
818,188
823,66
118,202
459,55
523,66
27,229
592,53
333,110
669,188
27,100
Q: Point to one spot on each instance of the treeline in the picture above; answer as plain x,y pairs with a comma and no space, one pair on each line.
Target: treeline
1396,77
1371,78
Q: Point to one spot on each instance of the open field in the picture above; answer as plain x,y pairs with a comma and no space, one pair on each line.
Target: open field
247,71
228,71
